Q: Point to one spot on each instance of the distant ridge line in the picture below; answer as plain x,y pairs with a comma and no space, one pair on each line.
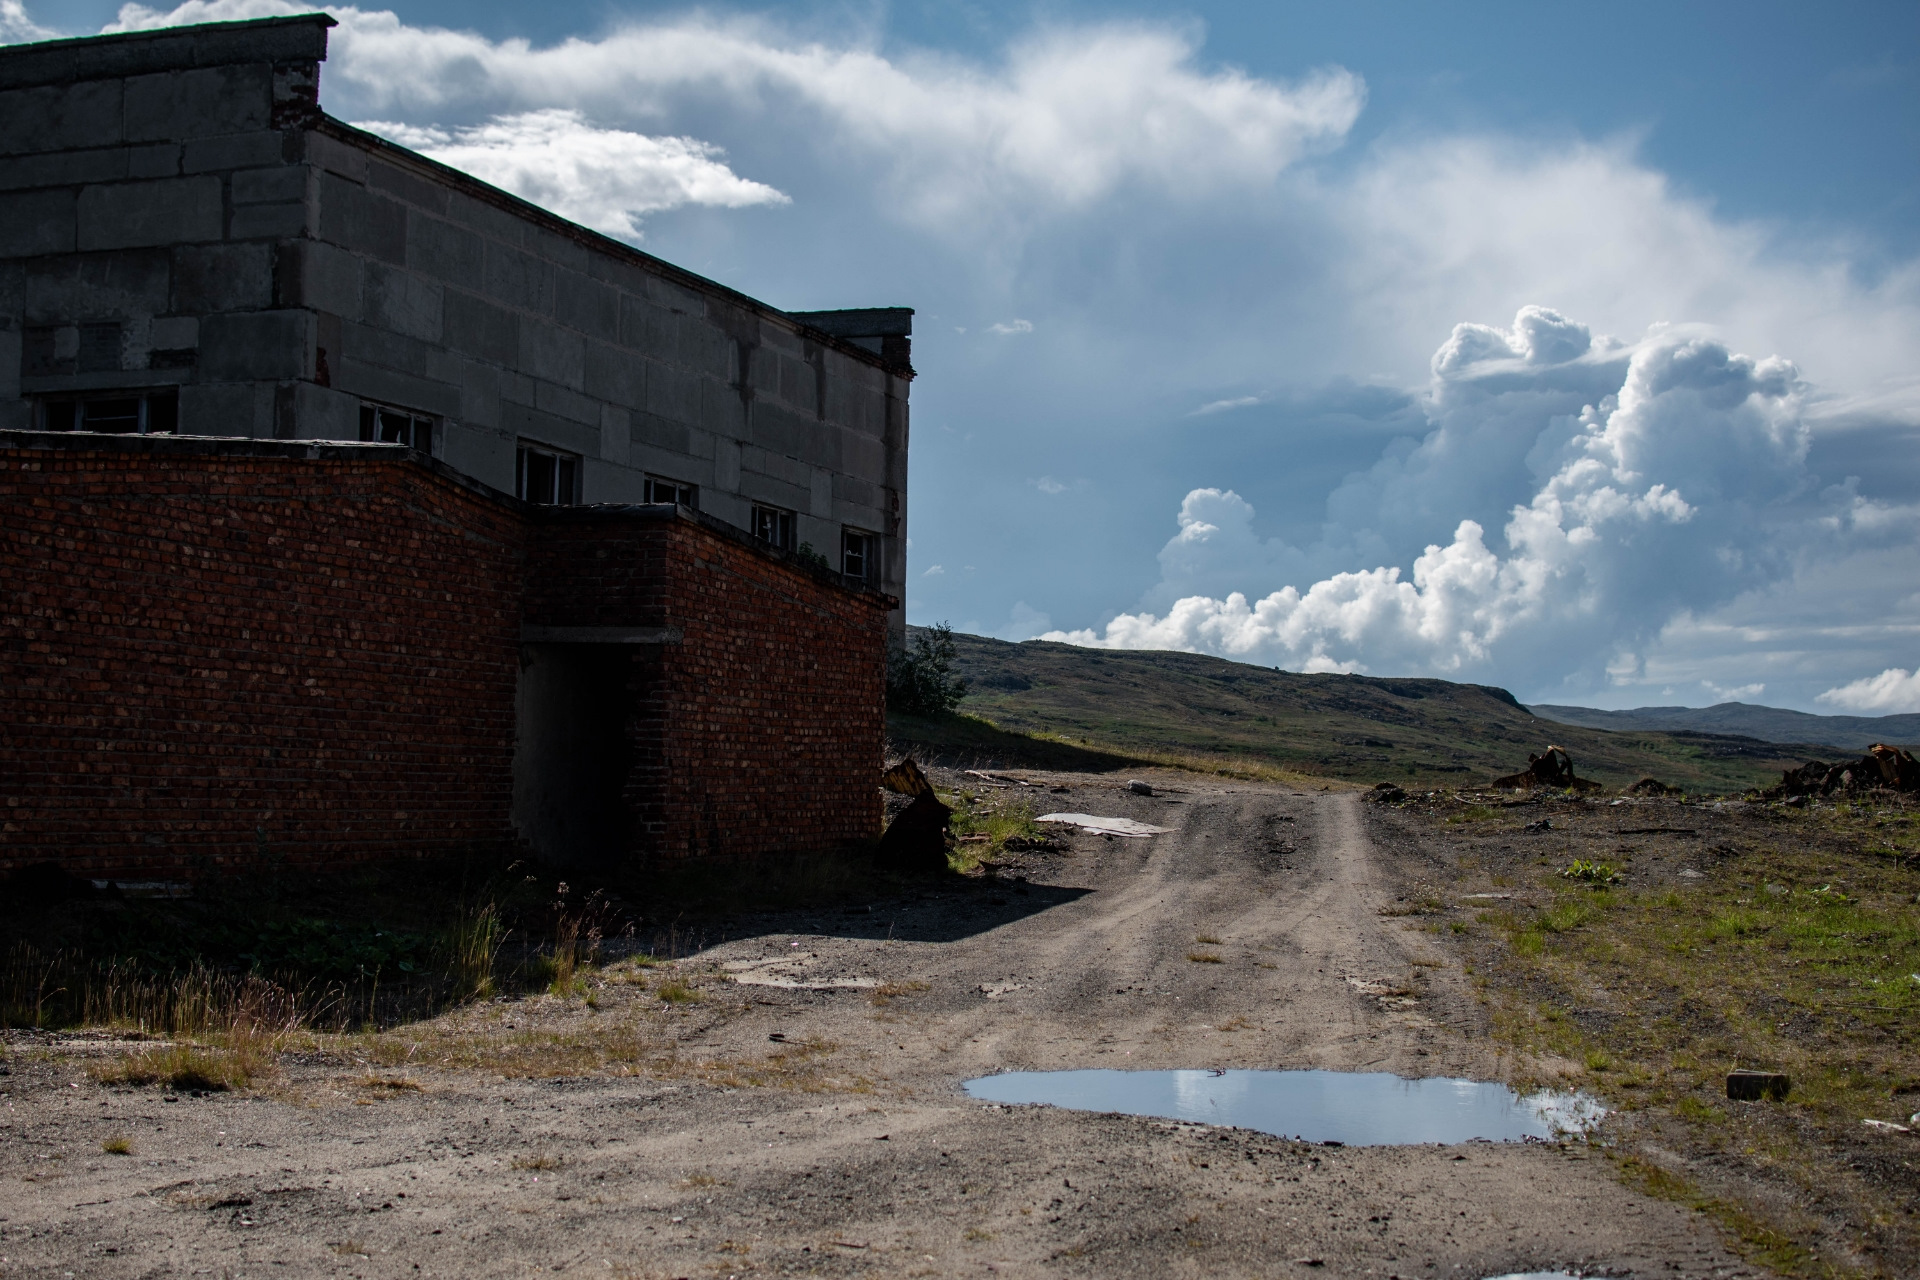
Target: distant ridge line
1768,724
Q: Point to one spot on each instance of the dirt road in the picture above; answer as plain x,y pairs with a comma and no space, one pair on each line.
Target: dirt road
805,1115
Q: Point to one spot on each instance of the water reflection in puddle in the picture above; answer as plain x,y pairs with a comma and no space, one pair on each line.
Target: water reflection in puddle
1359,1109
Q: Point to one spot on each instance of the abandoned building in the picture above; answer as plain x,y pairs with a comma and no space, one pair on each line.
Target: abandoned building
351,507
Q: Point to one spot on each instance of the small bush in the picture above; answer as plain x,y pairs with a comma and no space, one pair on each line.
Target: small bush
674,991
1204,957
118,1145
1592,873
920,679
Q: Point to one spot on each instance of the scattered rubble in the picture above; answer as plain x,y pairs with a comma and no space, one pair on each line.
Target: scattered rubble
1652,787
1893,768
1553,769
1386,793
1752,1086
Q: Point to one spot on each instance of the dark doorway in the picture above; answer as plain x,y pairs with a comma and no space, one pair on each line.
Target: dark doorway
572,753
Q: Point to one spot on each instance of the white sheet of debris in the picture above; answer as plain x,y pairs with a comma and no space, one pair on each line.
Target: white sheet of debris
1104,826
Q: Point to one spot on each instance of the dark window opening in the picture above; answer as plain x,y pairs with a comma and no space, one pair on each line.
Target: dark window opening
547,476
774,527
660,489
857,557
121,413
384,425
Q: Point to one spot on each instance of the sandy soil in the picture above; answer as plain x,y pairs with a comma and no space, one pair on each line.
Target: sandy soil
856,1152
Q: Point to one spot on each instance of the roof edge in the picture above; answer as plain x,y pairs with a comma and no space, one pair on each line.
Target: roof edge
295,38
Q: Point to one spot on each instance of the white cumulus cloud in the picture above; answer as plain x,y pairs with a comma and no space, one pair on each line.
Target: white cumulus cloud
1068,116
1009,327
607,179
1892,691
1677,488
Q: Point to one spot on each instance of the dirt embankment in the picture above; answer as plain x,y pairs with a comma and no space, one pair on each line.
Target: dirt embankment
802,1112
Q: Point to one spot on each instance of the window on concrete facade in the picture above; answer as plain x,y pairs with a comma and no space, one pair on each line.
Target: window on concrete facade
547,476
661,489
121,413
773,526
386,425
857,557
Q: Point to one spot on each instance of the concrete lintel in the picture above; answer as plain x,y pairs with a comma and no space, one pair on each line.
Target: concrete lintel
530,634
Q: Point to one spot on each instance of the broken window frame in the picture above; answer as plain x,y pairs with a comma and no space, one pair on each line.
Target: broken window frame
774,526
859,554
661,489
144,411
546,476
389,424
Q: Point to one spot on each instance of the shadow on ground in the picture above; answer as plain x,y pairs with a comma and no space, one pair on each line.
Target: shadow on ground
967,742
948,909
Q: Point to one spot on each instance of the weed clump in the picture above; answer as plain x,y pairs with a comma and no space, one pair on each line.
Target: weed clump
1592,872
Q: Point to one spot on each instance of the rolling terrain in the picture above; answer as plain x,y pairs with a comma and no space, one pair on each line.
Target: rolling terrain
1137,704
1769,724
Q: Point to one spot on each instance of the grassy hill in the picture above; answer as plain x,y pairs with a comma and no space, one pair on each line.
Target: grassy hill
1120,706
1849,734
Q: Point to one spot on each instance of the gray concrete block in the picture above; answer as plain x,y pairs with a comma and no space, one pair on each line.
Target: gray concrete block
154,160
272,185
564,403
616,434
334,156
232,151
855,492
175,333
403,302
63,168
479,393
773,491
518,279
98,286
531,424
222,277
438,248
722,410
755,460
583,303
476,327
552,354
61,117
354,218
651,435
411,356
16,415
203,102
327,278
396,387
257,344
608,482
407,186
491,220
484,453
10,363
220,409
674,392
821,501
564,251
125,215
284,221
615,375
34,222
324,413
142,52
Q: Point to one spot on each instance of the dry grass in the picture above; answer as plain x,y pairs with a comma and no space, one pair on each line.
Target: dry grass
1797,953
536,1162
1204,957
118,1145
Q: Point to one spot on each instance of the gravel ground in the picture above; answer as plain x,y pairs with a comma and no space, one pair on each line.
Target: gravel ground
805,1114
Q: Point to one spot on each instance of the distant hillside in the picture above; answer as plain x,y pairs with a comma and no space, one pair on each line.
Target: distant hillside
1355,727
1769,724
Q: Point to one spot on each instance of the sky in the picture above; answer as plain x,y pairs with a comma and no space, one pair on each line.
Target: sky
1569,349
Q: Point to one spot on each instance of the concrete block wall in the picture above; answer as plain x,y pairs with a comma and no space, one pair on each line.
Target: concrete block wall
227,653
181,192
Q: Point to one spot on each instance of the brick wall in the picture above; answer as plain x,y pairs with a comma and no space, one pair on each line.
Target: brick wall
214,652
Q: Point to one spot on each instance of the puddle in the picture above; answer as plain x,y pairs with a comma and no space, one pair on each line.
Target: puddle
1358,1109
